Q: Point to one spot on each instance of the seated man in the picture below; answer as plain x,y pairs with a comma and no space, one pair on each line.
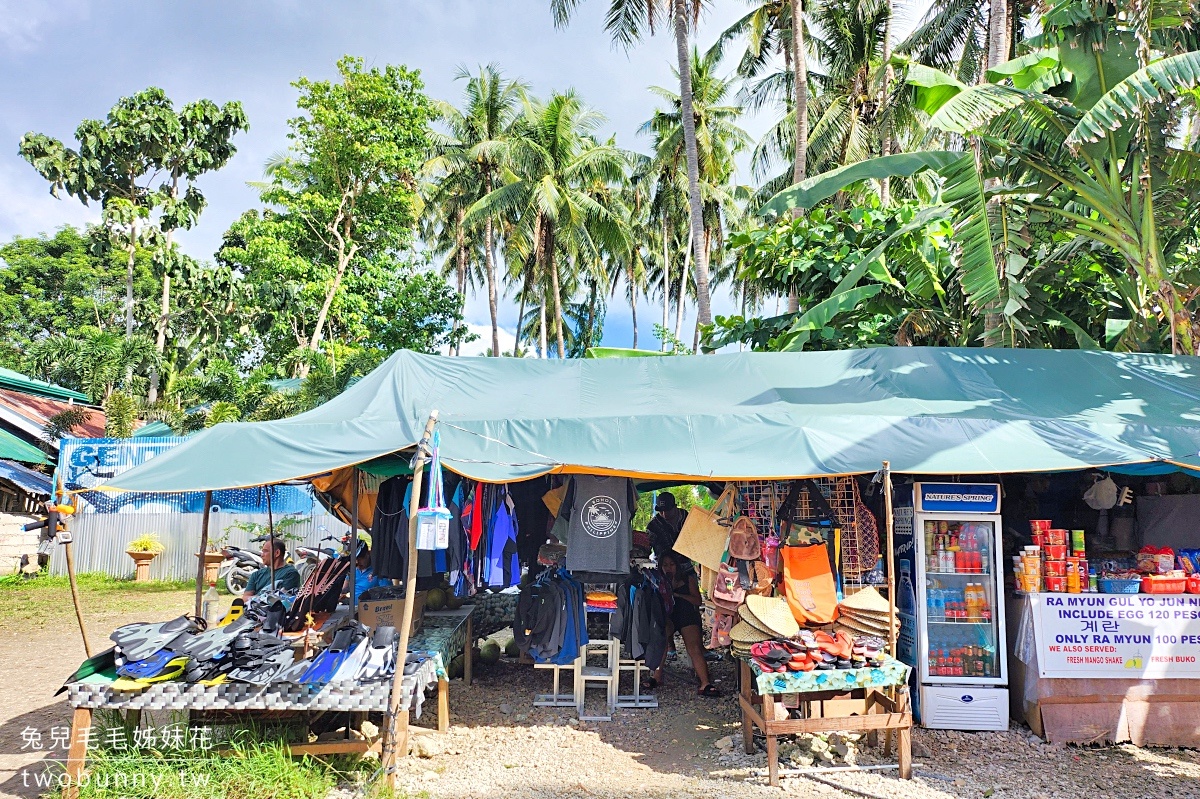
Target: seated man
274,551
364,577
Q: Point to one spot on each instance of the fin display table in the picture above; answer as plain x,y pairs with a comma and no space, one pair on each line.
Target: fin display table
95,693
759,700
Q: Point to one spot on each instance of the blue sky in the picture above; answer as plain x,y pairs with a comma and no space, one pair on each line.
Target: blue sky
64,60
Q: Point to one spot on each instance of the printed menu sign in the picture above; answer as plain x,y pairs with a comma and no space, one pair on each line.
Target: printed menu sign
1138,636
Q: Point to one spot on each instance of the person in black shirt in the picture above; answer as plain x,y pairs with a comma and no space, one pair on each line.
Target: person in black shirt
668,521
685,618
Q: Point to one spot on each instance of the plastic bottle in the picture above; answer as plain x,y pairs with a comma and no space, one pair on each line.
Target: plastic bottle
906,602
210,607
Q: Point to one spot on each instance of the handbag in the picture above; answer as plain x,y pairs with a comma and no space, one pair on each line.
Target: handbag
743,539
755,577
808,583
728,586
723,621
705,532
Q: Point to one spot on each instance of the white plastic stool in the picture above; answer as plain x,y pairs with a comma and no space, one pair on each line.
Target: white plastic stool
636,699
556,698
605,675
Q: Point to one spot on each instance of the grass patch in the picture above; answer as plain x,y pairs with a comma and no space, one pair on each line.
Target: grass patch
254,770
93,581
45,600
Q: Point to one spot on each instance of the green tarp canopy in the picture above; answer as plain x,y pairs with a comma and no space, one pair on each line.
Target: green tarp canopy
750,415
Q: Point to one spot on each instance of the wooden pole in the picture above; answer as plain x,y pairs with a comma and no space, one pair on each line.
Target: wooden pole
393,742
354,541
69,553
203,549
271,537
889,531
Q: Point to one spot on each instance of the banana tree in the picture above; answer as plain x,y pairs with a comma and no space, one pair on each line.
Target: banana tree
1077,138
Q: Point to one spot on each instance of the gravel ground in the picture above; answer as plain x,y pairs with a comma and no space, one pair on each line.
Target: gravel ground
500,745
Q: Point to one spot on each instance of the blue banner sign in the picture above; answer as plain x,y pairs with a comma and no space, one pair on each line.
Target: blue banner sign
957,497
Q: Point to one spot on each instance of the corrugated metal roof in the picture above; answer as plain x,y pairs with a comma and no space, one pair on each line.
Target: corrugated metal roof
13,448
38,410
153,429
29,385
27,479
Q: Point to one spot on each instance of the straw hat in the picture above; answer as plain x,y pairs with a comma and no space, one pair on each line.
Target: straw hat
747,615
775,613
861,628
743,633
868,600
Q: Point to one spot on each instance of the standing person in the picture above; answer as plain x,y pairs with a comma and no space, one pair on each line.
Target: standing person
666,525
685,618
274,552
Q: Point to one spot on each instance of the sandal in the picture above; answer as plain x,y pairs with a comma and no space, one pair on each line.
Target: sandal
651,684
711,691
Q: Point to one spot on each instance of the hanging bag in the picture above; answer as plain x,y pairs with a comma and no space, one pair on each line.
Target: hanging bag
728,586
808,583
743,539
705,533
433,522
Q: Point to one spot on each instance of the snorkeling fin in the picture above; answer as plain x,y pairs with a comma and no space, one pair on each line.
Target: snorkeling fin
147,667
172,670
353,662
140,641
380,659
235,612
96,663
212,643
326,664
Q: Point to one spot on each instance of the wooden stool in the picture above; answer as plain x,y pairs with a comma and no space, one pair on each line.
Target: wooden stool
605,675
556,698
637,698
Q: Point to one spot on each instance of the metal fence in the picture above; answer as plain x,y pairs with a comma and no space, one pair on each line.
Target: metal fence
101,539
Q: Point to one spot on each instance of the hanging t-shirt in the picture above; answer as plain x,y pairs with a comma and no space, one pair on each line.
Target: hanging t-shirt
600,529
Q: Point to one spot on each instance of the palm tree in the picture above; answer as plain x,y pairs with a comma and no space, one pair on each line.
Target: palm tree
627,21
467,165
720,141
968,37
96,361
553,164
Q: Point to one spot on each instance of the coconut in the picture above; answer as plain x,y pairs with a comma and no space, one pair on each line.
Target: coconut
511,649
435,599
489,652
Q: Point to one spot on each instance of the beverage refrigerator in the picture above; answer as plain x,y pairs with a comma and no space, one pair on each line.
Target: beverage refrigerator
950,600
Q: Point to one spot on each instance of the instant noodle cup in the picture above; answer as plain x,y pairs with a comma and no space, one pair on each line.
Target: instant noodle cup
1056,552
1055,537
1055,568
1056,585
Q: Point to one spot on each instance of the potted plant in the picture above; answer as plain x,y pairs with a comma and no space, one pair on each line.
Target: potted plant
144,549
214,556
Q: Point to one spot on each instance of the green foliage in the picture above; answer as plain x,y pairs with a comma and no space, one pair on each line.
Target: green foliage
120,415
284,528
52,284
146,543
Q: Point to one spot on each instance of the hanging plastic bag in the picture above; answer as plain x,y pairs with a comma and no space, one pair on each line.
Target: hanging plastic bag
433,522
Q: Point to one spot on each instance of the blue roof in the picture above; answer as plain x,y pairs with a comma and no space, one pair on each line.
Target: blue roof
28,479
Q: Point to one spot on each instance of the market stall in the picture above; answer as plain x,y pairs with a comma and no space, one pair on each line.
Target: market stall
728,418
1106,617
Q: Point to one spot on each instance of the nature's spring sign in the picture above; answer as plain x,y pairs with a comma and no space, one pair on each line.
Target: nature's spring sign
1118,636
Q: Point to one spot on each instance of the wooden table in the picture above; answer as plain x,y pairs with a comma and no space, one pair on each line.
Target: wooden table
354,697
763,710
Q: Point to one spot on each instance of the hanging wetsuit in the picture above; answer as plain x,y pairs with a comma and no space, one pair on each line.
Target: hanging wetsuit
503,569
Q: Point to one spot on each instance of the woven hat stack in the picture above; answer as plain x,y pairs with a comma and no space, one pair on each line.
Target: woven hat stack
771,615
866,613
743,636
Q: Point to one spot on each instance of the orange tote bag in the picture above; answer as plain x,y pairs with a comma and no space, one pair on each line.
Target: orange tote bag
808,584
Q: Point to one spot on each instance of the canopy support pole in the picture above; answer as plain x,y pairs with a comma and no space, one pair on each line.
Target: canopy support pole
203,548
889,531
392,742
353,545
271,537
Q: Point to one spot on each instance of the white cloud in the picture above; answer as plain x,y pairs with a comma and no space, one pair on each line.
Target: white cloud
483,343
22,21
